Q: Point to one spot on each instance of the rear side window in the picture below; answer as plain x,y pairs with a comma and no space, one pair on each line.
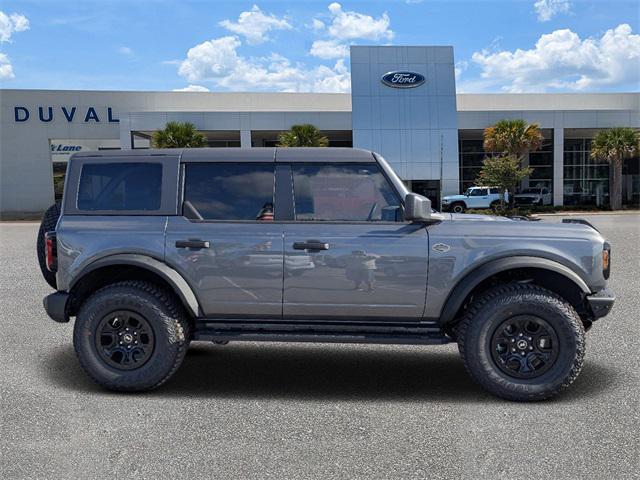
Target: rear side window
231,191
494,191
120,186
358,192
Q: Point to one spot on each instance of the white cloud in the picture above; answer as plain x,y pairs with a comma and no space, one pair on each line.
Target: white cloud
10,24
192,88
317,25
327,49
346,25
460,67
6,70
214,58
125,51
561,60
254,25
547,9
218,61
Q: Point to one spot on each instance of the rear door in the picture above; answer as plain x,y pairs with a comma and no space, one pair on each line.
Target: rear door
233,254
348,252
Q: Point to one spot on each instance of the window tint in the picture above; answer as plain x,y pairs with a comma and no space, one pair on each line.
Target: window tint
343,193
477,192
495,191
231,191
120,186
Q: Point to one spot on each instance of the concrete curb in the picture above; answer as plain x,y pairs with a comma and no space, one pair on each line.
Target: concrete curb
570,213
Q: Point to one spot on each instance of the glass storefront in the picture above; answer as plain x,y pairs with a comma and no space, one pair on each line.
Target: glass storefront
472,154
427,188
542,163
586,181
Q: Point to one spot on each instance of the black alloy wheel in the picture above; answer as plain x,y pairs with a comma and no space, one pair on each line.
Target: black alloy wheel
524,346
124,340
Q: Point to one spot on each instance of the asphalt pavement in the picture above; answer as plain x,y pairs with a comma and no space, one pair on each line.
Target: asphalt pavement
259,410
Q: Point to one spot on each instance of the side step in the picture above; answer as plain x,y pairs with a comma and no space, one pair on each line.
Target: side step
330,332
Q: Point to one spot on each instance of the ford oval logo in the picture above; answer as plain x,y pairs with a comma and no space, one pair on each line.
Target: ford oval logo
403,79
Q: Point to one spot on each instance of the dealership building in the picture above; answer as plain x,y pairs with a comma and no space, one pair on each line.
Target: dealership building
431,135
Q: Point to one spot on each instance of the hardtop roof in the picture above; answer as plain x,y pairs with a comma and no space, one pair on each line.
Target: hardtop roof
254,154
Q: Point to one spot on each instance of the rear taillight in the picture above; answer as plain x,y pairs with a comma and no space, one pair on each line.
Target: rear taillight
51,251
606,260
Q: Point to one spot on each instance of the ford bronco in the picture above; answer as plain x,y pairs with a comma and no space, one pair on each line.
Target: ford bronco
153,249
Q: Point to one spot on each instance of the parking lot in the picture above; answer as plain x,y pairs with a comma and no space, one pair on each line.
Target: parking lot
310,411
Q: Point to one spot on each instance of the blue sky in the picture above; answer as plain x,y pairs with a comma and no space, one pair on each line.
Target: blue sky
500,46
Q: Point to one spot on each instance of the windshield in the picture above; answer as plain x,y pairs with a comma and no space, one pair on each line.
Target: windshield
475,192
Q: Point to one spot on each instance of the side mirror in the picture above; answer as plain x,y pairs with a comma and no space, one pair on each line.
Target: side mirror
417,208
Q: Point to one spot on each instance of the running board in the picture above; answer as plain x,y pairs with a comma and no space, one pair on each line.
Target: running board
330,332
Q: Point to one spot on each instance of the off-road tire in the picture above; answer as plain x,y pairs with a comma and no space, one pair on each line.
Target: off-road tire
164,313
495,306
458,207
47,224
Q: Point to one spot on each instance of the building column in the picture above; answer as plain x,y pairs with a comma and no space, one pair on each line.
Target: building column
245,138
558,166
125,132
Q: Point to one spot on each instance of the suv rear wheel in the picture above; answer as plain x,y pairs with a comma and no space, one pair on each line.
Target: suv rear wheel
131,336
522,342
496,206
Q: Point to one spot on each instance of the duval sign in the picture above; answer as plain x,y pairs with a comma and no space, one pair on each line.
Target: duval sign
403,79
47,114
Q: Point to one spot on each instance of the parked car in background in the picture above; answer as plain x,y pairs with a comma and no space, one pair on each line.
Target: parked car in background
474,197
533,196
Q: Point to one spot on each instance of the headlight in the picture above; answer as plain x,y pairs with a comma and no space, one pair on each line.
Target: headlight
445,200
606,260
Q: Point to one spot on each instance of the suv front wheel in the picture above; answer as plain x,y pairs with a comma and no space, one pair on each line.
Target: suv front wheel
131,336
522,342
458,207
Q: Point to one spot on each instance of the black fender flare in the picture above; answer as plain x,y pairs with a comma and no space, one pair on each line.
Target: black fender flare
471,280
171,276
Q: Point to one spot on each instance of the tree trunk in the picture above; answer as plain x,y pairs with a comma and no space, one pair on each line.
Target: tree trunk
615,195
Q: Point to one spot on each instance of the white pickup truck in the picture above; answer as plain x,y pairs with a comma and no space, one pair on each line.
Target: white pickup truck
474,197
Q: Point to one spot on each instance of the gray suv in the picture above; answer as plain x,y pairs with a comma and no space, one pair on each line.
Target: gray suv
152,249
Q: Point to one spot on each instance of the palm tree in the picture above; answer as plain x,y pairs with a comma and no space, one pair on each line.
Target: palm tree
615,145
305,135
178,135
513,137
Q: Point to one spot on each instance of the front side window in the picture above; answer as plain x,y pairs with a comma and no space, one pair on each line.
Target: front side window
231,191
120,186
334,192
476,192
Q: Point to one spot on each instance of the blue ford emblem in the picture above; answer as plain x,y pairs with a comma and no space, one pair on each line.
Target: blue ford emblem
403,79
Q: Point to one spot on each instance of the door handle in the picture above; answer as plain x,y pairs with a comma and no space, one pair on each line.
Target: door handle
192,244
311,245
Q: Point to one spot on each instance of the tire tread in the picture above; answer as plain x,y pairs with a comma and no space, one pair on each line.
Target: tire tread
500,293
177,315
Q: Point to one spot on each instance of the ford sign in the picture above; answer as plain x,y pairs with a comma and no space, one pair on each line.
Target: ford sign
403,79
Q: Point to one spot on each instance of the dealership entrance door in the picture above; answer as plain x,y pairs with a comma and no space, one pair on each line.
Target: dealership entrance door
427,188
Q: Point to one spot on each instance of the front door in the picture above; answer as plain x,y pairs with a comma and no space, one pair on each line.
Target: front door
233,255
349,253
